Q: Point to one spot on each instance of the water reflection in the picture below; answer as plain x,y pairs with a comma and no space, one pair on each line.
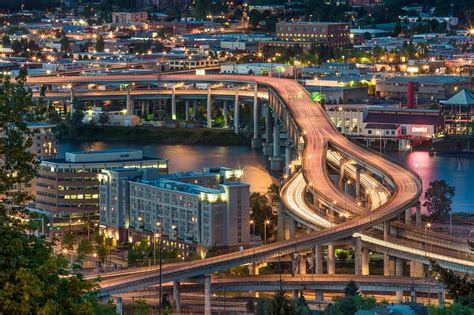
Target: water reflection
190,157
458,172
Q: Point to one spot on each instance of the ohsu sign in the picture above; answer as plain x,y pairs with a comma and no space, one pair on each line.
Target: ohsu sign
419,129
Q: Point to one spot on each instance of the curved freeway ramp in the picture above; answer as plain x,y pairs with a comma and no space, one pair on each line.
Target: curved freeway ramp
319,134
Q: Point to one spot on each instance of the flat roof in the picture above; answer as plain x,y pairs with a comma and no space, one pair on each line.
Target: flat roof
64,161
429,79
104,151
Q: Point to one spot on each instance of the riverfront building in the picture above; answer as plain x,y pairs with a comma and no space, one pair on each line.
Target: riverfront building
311,34
189,209
69,187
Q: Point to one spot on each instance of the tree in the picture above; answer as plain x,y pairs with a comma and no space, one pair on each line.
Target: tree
254,18
65,43
438,198
301,306
250,306
85,248
351,289
461,288
6,41
33,279
273,194
68,241
104,118
279,304
342,255
100,44
261,212
102,247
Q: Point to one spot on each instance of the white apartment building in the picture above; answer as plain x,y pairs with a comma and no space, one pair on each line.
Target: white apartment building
208,208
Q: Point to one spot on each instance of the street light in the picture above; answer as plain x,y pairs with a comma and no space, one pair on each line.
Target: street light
379,133
427,226
267,222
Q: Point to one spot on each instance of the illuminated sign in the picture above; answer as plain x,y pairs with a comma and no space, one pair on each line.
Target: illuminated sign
419,129
200,72
316,96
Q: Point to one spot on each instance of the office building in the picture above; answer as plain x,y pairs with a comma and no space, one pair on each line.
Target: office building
458,112
69,187
189,209
427,87
309,35
129,17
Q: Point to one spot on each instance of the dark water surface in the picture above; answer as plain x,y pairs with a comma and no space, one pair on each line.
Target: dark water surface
458,172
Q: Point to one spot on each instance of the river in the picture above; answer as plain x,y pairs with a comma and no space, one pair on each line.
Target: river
458,172
193,157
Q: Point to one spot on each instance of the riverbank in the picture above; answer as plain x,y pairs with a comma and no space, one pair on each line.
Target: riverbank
448,143
153,135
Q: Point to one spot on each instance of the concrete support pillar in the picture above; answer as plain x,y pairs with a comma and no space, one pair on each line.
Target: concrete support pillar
275,160
173,104
318,260
294,263
331,260
209,108
268,126
386,265
319,295
176,296
441,299
281,222
119,305
418,214
287,159
292,228
267,147
142,108
399,273
207,295
294,295
129,103
287,226
276,139
386,257
302,269
186,109
386,230
72,99
256,136
252,269
413,295
236,112
342,164
226,114
195,108
408,216
416,269
358,256
358,170
365,262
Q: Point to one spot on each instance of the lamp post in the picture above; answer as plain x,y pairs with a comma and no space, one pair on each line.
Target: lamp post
379,133
252,231
161,289
267,222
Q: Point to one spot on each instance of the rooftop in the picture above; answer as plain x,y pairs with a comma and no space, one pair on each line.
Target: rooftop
428,79
463,97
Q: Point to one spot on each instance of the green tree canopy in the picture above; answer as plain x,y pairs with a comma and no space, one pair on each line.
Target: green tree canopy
33,279
438,198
